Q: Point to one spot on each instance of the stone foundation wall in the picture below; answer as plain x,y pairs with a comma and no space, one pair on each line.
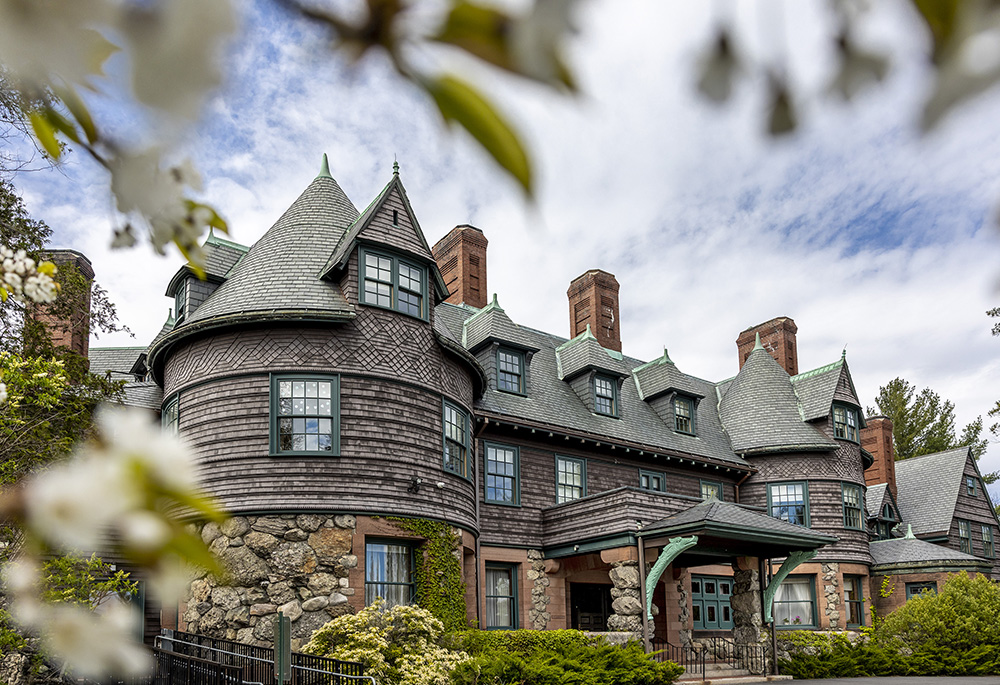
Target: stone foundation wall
299,565
539,615
626,602
831,599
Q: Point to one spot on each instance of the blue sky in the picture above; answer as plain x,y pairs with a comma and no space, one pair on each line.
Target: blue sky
866,232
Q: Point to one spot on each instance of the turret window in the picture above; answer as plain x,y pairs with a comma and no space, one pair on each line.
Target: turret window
852,506
391,282
789,502
171,416
845,423
305,415
456,440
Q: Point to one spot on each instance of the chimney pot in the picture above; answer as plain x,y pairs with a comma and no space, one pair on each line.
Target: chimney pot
461,258
593,301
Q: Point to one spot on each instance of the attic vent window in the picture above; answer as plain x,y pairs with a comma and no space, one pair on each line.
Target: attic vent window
845,423
395,217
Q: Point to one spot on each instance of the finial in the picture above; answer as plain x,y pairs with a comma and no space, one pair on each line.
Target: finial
588,333
395,167
757,345
909,533
666,357
324,171
843,355
495,303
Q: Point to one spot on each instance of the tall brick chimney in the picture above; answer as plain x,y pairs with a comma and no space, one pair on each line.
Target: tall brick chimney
876,437
72,332
593,299
778,337
461,257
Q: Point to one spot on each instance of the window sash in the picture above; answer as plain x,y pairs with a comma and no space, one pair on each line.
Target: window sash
304,414
788,502
652,481
501,597
389,573
852,506
709,489
571,479
965,536
795,604
510,371
171,417
390,282
916,589
854,600
683,412
605,396
456,440
988,549
845,423
180,302
970,485
501,474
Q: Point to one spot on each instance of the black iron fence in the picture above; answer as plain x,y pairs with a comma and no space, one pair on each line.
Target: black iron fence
751,658
181,669
693,660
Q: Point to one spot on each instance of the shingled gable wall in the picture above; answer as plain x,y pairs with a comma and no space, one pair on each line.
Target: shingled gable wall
461,257
778,338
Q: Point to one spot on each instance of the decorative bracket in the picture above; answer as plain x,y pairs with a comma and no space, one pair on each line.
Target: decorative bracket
791,561
668,553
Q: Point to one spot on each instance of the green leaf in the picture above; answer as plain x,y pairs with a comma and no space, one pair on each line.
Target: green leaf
61,124
941,17
79,111
45,134
480,31
459,102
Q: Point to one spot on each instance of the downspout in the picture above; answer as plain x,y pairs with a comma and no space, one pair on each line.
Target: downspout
475,475
646,645
737,488
774,634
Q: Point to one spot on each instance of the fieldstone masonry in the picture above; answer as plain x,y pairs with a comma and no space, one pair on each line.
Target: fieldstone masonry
296,564
831,592
626,602
746,605
539,613
684,605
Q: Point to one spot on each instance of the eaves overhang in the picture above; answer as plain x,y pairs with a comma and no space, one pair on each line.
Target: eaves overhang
933,566
334,270
463,355
778,449
156,357
658,536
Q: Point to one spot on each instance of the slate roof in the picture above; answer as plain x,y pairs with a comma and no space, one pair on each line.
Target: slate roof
491,323
737,517
584,352
914,551
662,375
118,360
552,401
281,271
815,389
760,411
928,488
147,394
875,498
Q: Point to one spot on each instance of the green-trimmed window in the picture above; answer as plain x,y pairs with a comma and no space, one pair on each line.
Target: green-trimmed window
845,422
571,479
392,282
180,301
305,415
456,440
854,600
710,489
652,480
510,370
789,502
970,485
915,589
795,603
852,506
501,596
884,527
389,572
170,418
989,551
965,536
684,415
605,395
502,468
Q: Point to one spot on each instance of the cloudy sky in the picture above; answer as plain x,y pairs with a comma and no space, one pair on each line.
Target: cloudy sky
866,232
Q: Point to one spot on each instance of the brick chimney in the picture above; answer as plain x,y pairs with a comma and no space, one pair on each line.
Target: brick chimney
461,257
593,299
876,437
72,332
778,337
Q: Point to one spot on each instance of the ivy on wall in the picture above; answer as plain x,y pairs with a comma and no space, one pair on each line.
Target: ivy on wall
438,572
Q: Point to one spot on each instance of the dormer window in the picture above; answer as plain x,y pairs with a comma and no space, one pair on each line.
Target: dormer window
684,415
845,423
393,283
180,301
510,370
885,526
605,395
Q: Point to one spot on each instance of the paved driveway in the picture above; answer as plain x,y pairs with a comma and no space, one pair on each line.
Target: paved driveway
909,680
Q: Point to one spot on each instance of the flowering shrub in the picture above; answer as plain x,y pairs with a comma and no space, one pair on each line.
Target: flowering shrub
398,646
23,279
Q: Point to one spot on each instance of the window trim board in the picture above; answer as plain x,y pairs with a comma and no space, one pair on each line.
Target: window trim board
487,444
397,258
273,380
583,477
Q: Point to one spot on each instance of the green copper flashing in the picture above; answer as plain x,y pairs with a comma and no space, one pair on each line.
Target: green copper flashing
668,553
823,369
213,239
324,170
665,359
757,345
791,562
572,341
395,168
909,533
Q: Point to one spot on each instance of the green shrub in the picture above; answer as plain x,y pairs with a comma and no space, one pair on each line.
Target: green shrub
10,639
403,645
477,642
572,661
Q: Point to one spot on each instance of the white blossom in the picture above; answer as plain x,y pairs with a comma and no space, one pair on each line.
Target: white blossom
133,437
3,393
144,530
94,644
536,38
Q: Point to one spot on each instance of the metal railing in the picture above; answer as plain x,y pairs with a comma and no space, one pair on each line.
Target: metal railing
751,658
257,663
181,669
693,660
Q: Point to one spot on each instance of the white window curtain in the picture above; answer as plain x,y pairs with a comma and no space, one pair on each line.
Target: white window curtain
499,598
387,574
793,603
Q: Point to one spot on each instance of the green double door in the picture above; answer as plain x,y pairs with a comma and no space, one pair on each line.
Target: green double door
710,609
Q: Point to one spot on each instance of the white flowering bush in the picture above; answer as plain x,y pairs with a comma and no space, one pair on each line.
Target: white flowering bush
398,646
24,280
126,484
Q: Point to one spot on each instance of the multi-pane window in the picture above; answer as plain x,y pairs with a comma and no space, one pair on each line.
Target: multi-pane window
852,506
988,550
683,415
390,282
965,536
180,301
571,479
917,589
501,597
652,480
304,415
501,474
970,485
605,396
171,416
795,603
510,370
854,600
884,528
711,489
845,423
389,573
788,502
456,440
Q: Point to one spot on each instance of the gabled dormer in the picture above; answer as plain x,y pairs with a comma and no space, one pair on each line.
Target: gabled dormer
189,290
594,372
395,267
501,348
672,394
883,512
828,393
